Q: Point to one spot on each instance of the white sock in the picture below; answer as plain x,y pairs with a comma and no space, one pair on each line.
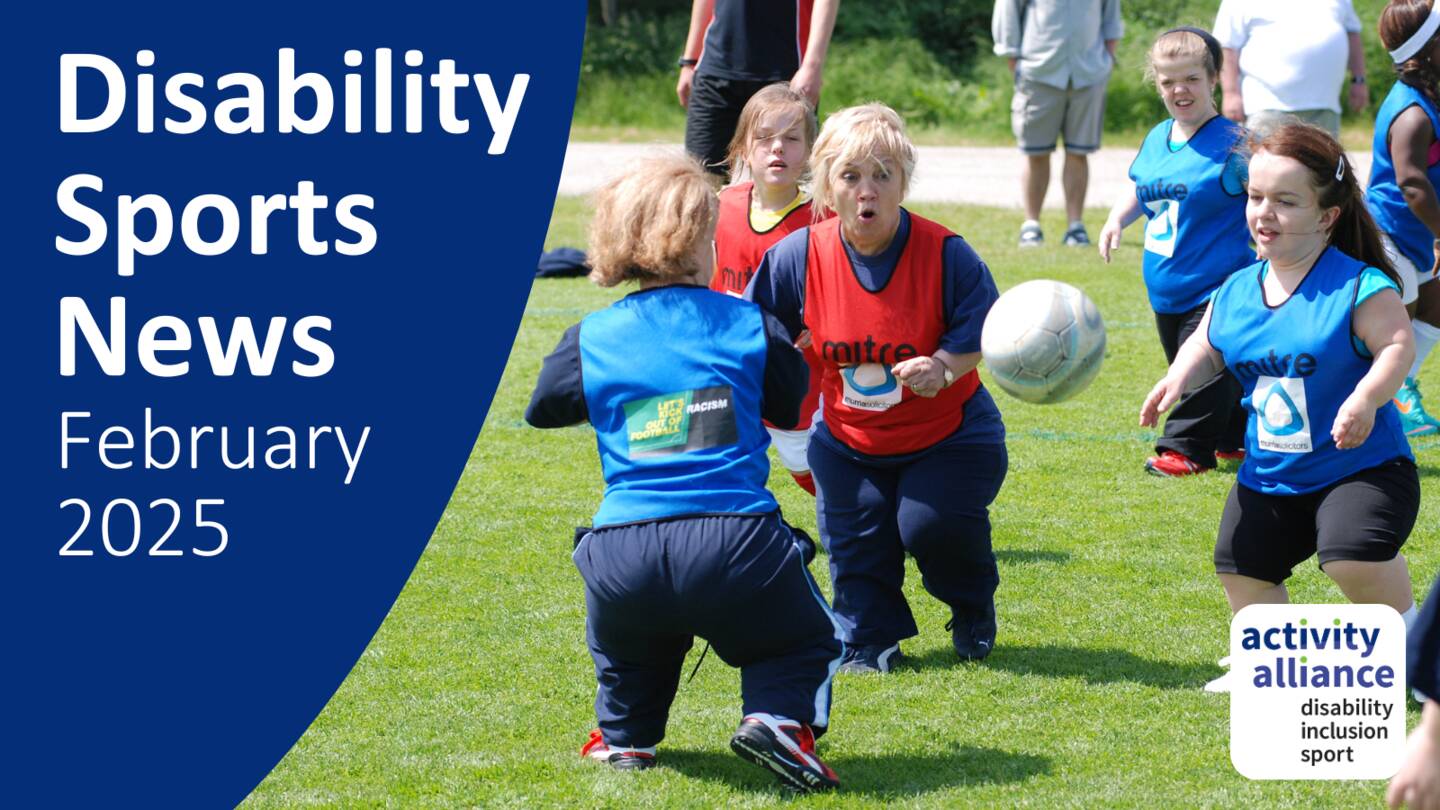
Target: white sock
1078,224
1426,336
1220,685
1030,223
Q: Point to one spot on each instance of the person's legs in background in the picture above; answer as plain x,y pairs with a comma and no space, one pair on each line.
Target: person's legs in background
1084,124
1037,112
1203,421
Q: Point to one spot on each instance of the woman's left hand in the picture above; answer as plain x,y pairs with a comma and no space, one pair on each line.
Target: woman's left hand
1353,422
923,375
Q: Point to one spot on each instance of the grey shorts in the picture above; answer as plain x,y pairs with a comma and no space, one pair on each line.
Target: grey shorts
1262,122
1041,114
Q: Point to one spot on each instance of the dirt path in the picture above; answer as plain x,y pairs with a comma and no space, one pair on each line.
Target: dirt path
979,175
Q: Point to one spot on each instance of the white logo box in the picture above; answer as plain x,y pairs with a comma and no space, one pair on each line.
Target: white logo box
1317,691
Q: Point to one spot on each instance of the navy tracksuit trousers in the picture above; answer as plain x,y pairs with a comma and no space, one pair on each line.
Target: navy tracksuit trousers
737,581
933,503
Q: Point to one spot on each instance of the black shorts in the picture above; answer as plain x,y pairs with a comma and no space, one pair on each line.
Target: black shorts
1365,517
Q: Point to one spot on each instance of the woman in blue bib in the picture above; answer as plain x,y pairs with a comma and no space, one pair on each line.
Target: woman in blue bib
1189,182
1317,336
675,379
1404,175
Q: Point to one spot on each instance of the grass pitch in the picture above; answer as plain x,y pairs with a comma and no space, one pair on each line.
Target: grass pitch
477,690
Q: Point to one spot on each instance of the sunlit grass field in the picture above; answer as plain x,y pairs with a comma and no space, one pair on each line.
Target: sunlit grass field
477,690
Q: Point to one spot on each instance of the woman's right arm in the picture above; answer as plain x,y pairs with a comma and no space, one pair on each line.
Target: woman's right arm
1232,104
1126,211
787,378
1410,139
559,396
778,285
1196,361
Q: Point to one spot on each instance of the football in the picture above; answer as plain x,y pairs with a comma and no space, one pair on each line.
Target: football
1043,341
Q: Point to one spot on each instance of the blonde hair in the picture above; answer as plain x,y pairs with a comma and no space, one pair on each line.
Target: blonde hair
1176,46
854,135
648,222
778,98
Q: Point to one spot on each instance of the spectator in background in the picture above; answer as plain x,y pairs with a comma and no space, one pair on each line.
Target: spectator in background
1061,53
736,47
1288,58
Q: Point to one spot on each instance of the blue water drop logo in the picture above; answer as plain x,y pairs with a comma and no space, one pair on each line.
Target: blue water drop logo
1169,224
886,385
1279,404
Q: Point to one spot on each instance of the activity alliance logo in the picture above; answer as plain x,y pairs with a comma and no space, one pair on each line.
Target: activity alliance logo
1317,691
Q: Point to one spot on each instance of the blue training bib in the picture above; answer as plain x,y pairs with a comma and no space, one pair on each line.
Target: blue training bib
1297,364
1383,196
673,379
1195,233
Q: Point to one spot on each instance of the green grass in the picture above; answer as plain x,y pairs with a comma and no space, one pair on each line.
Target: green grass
477,690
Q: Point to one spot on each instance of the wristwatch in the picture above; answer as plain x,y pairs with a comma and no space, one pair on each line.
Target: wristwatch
949,376
684,62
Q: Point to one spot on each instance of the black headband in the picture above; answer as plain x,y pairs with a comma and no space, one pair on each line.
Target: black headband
1211,43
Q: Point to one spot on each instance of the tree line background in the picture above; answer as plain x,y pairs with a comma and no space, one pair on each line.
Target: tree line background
929,59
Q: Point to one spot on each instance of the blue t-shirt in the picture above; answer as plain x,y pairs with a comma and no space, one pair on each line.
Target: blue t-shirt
1297,363
1194,199
969,291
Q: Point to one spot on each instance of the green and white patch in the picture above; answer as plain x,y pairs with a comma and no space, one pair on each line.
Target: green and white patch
681,421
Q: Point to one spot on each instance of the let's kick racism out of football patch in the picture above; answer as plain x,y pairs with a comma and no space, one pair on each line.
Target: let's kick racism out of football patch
1317,691
680,422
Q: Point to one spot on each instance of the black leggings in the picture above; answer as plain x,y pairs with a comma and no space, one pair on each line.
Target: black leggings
1364,517
1208,418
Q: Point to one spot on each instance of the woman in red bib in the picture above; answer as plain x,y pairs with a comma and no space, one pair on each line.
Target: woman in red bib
911,449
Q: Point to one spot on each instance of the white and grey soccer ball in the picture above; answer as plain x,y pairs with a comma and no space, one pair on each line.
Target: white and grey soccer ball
1043,341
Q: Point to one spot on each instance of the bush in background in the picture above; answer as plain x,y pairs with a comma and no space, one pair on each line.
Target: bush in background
930,59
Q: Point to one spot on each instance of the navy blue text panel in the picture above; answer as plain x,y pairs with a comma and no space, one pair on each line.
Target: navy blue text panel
264,266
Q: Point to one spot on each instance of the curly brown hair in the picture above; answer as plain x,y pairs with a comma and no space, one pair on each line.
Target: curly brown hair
649,222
